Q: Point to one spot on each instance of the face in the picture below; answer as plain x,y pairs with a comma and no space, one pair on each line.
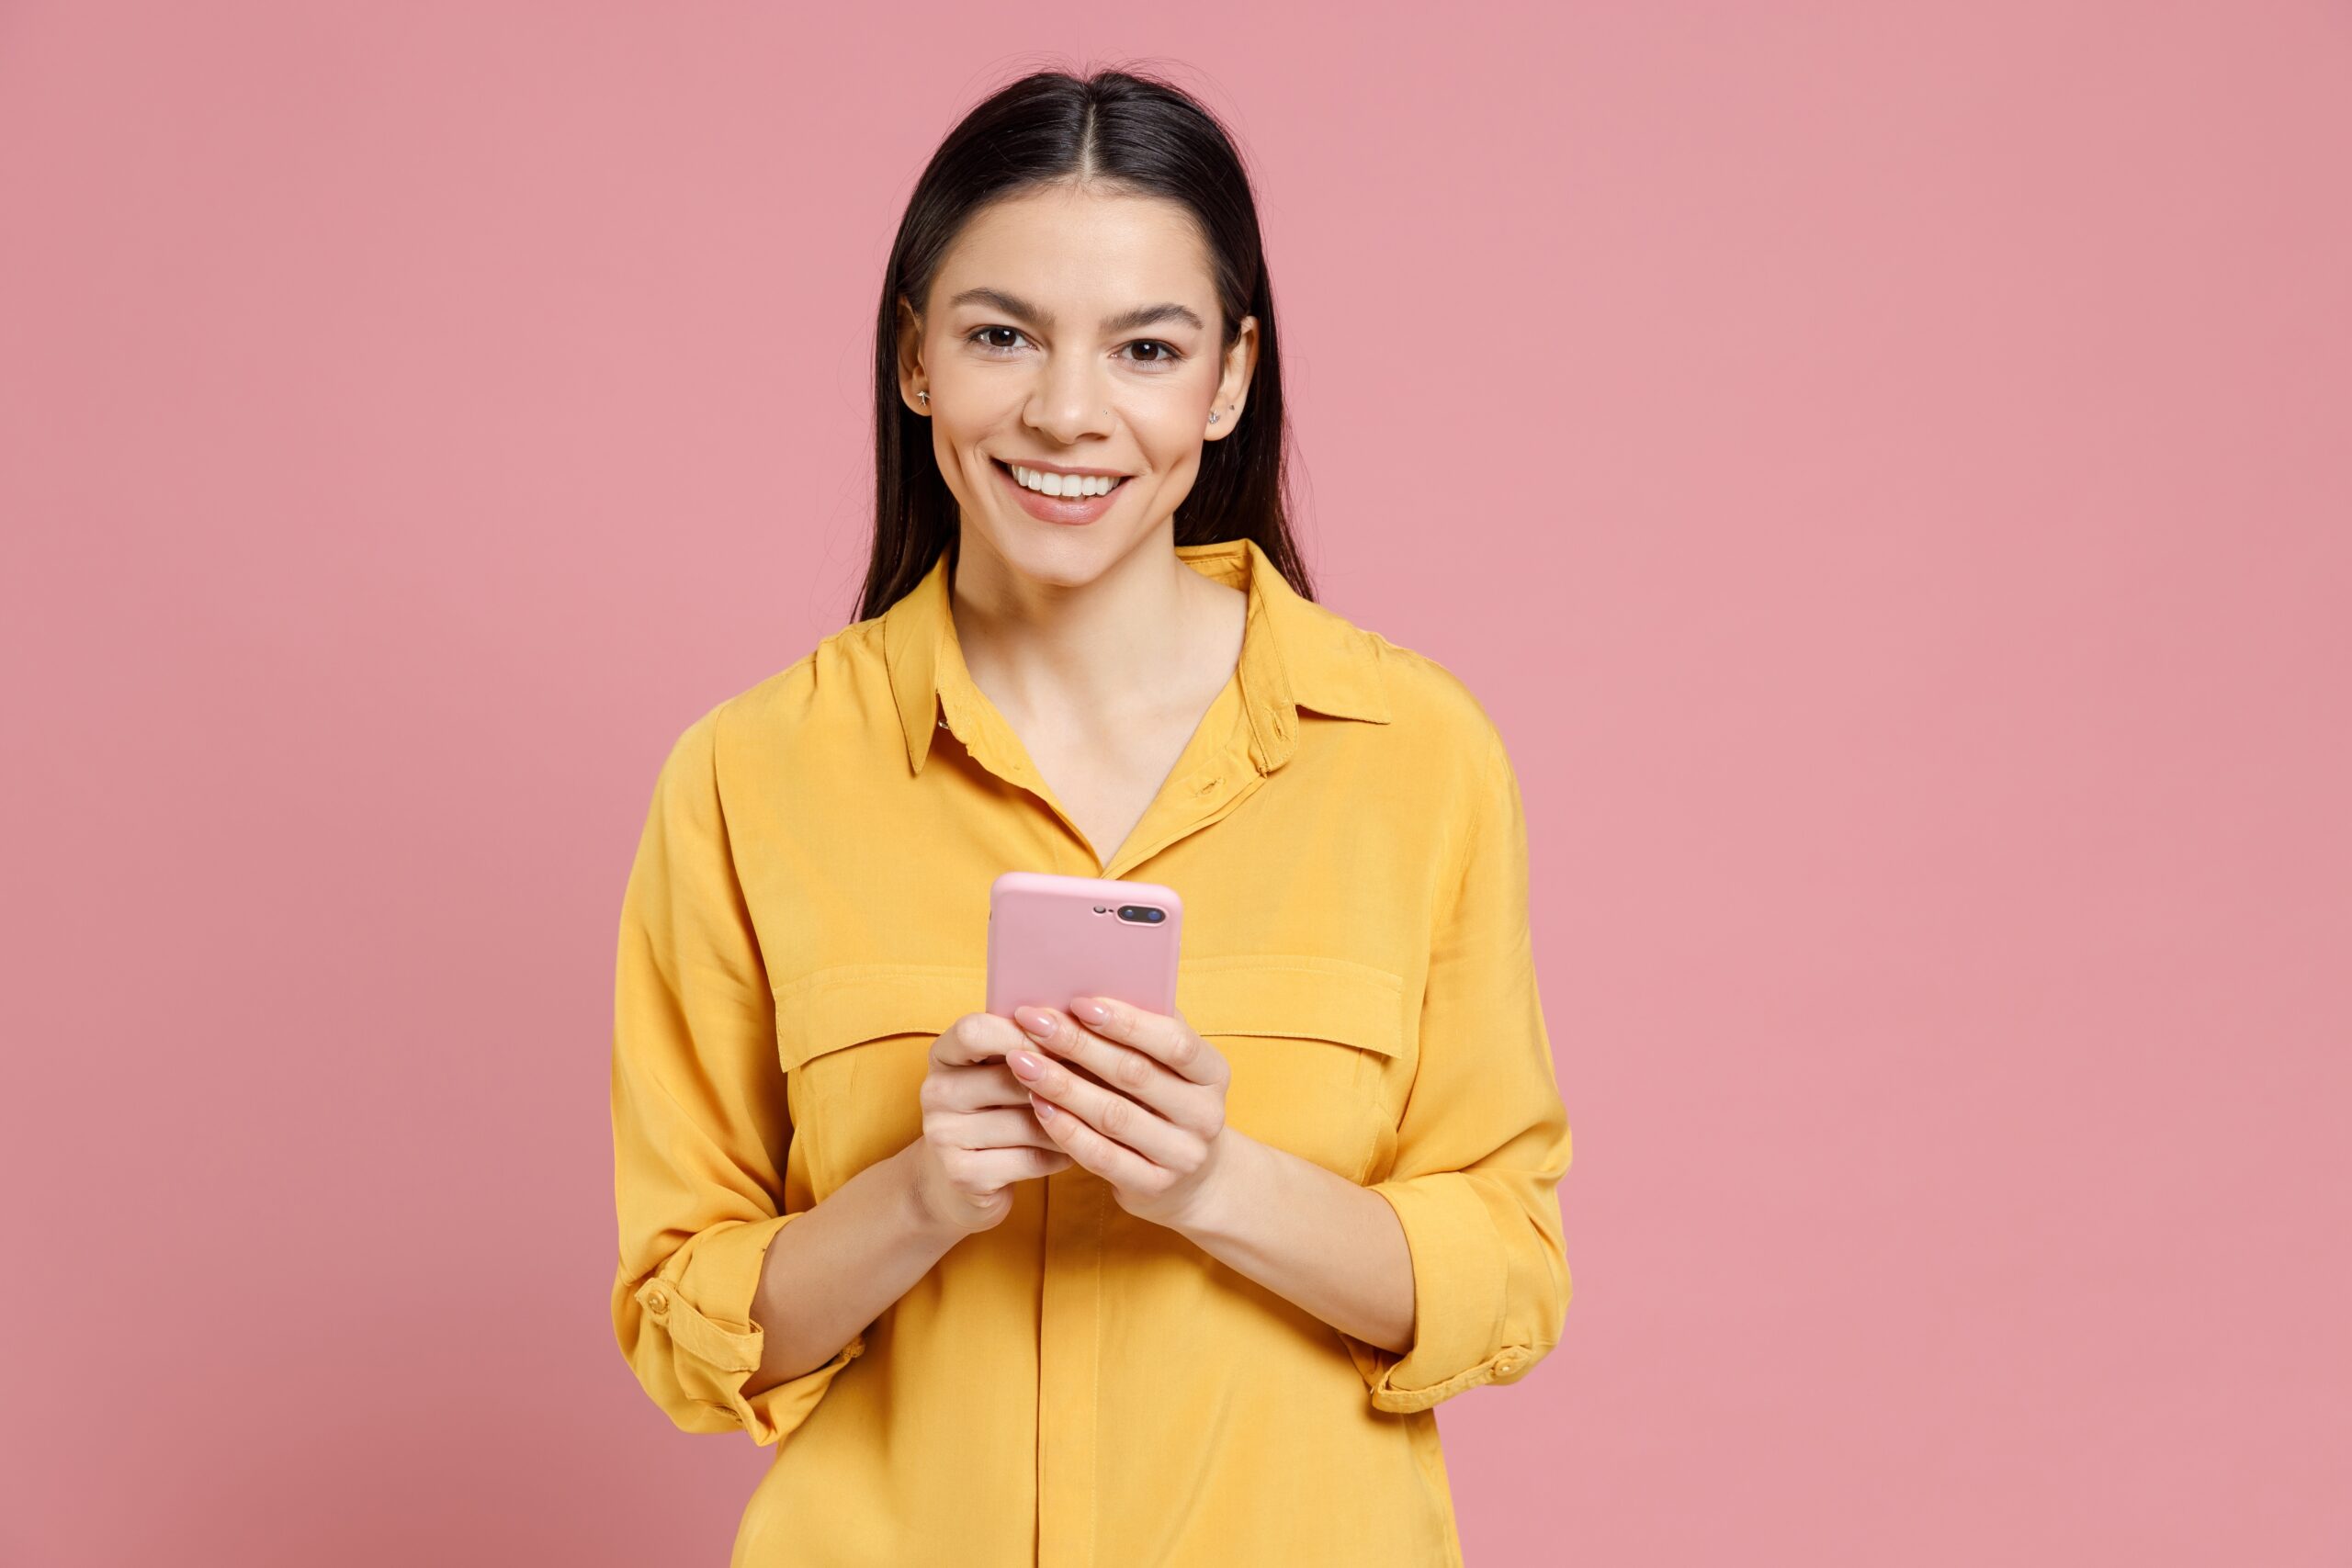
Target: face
1072,330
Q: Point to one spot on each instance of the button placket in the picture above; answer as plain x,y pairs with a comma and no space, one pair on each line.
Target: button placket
1069,1367
1222,777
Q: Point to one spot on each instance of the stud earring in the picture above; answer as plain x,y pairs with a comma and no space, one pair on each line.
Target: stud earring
925,397
1213,418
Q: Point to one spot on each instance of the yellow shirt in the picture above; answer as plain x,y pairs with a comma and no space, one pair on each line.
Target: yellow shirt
809,910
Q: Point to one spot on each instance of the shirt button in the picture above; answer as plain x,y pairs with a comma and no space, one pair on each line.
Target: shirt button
655,1301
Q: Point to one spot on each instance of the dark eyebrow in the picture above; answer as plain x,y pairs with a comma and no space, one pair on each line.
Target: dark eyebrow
1021,310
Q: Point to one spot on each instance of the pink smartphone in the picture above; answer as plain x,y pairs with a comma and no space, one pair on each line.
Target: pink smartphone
1054,937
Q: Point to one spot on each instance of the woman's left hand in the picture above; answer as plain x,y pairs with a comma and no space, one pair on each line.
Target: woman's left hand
1150,1118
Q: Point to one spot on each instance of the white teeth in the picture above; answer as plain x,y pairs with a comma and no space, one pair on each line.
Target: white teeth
1072,485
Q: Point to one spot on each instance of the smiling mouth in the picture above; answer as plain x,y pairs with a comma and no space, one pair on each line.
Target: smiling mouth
1007,469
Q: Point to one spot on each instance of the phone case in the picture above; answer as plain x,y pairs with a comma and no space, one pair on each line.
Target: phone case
1052,937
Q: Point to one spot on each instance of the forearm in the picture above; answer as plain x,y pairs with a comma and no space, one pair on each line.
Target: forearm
831,1272
1313,1237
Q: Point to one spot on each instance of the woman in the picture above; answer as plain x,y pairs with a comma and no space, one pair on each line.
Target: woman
1080,1289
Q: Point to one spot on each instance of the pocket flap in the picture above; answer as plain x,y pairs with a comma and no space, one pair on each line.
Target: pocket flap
1302,996
847,1003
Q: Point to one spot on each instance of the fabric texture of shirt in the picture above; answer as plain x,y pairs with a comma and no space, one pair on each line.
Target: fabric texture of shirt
808,910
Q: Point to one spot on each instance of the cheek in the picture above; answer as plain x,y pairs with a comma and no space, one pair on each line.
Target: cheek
960,464
1173,430
1173,466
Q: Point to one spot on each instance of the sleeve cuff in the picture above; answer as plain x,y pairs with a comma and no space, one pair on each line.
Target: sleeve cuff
1460,1279
706,1312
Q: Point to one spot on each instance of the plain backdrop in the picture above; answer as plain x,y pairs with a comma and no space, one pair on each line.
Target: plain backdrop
1886,470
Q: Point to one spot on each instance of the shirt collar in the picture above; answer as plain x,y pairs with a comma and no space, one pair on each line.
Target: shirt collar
1295,654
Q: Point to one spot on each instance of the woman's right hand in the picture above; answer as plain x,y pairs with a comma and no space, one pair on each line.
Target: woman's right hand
979,1134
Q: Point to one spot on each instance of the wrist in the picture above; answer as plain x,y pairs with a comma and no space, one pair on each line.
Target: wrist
1235,1188
915,1203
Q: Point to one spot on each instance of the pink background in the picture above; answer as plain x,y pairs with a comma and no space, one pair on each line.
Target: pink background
1884,468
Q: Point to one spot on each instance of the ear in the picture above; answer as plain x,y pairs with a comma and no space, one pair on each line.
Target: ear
911,378
1233,384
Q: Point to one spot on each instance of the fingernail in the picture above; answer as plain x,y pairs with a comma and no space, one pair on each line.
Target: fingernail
1037,1020
1028,1067
1090,1009
1044,1107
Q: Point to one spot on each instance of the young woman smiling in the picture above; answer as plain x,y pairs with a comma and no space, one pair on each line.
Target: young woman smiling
1094,1285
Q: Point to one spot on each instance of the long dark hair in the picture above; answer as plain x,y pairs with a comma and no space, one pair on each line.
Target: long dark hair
1130,131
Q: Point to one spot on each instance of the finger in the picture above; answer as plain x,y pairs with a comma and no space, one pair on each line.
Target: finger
976,1088
1166,1037
1010,1127
1106,1156
986,1170
1092,1059
975,1038
1115,1115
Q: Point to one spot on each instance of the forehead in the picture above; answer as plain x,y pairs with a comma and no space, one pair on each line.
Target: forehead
1082,254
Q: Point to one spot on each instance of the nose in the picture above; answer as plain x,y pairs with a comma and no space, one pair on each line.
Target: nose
1070,400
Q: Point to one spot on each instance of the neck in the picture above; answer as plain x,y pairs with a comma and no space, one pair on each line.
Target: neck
1098,650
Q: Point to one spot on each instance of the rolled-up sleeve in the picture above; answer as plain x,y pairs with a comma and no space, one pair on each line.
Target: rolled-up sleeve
700,1125
1483,1141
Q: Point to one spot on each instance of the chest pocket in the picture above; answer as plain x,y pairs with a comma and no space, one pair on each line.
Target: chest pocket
1307,1037
856,1040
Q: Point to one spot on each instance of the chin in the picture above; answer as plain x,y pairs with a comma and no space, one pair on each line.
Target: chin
1064,557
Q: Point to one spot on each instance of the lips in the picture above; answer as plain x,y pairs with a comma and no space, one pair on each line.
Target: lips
1055,508
1116,479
